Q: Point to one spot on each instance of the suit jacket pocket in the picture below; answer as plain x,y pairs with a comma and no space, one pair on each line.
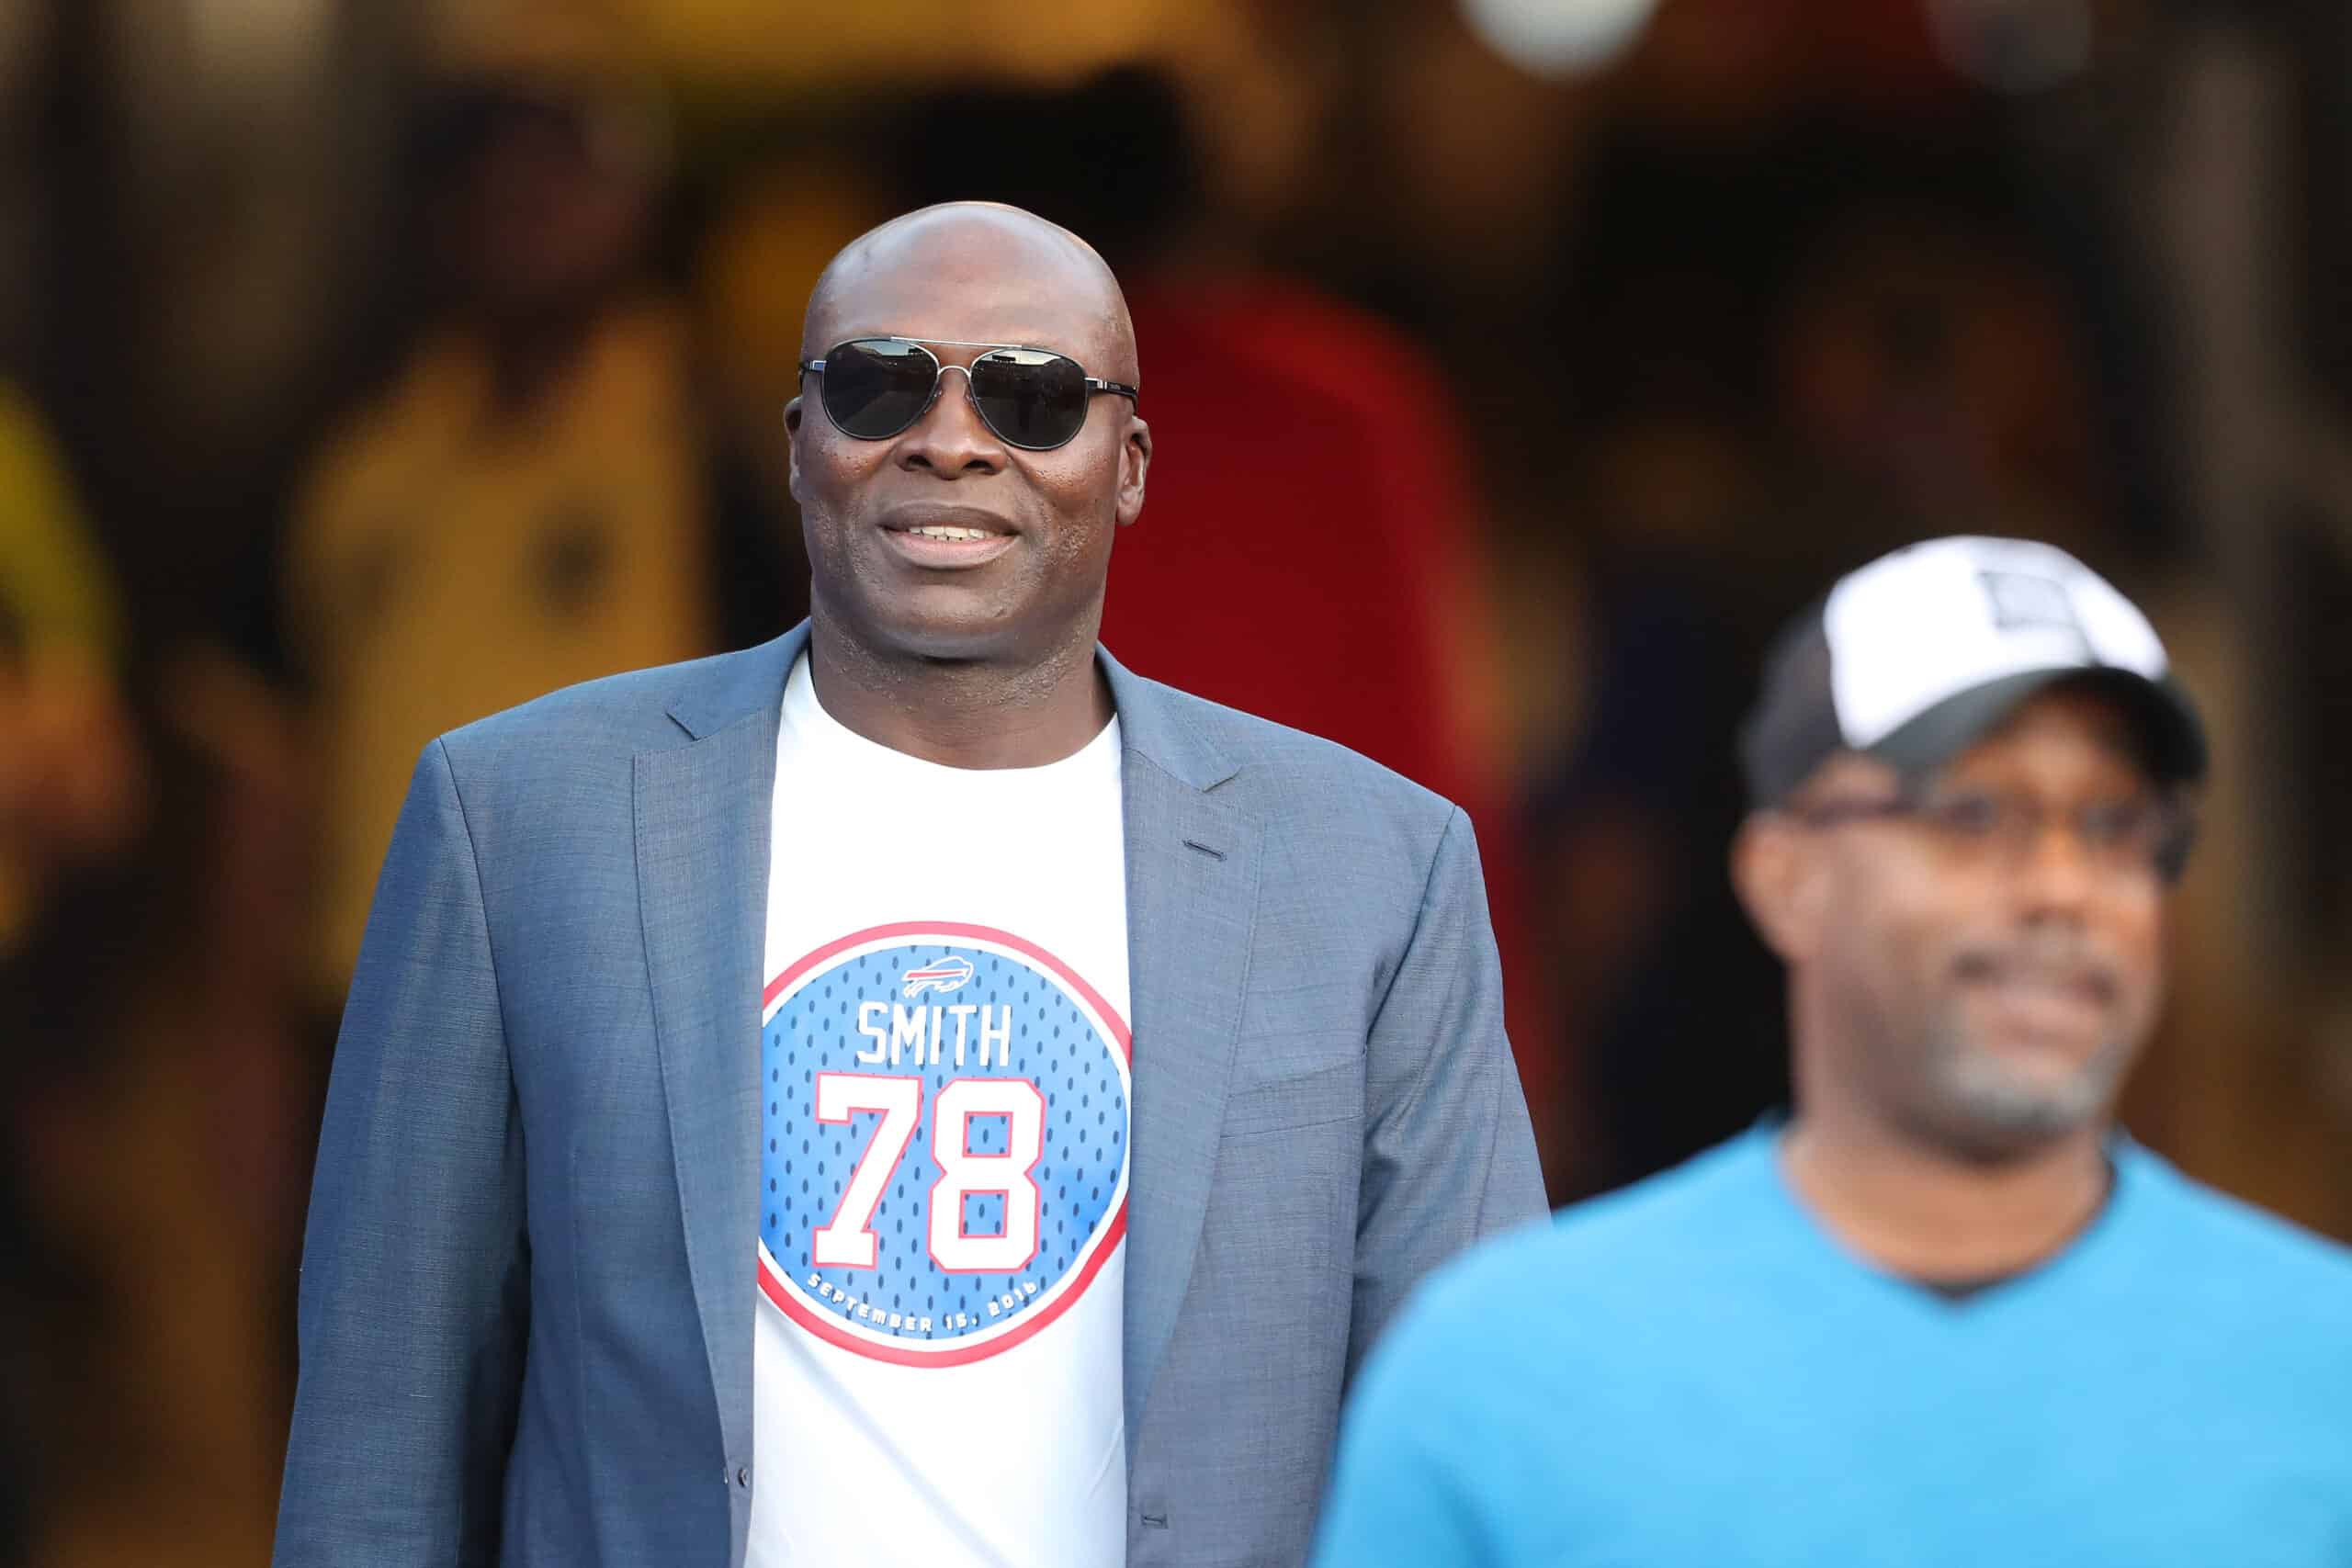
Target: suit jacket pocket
1308,1100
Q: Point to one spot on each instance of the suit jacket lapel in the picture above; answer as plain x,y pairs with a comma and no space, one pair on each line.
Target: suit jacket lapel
703,812
1192,864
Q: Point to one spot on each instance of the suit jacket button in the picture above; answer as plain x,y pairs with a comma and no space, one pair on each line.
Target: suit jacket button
742,1475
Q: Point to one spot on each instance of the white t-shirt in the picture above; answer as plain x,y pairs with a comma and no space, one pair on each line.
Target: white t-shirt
943,1161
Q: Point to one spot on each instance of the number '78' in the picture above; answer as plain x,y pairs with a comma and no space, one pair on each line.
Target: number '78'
848,1241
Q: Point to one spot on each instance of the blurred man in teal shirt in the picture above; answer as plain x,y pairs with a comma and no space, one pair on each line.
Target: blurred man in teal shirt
1947,1314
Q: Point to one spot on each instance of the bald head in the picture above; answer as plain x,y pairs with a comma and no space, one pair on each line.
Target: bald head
979,272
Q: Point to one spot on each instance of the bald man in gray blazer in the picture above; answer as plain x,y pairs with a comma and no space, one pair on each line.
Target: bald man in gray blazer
527,1306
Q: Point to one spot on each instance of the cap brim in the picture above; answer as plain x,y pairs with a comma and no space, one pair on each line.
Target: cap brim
2169,725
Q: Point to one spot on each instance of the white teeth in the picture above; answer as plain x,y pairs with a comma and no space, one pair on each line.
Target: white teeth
947,533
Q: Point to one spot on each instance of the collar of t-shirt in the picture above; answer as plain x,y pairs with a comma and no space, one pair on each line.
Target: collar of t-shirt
812,735
1960,1290
1773,1125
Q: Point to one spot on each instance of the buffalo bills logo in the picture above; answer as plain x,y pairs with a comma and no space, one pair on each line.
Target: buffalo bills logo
951,974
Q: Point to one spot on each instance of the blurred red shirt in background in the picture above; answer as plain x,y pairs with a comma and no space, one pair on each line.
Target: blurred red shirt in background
1309,552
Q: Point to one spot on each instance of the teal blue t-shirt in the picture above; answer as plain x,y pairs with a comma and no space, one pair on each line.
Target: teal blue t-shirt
1692,1373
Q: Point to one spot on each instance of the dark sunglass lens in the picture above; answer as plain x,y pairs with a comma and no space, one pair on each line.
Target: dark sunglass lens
874,388
1029,396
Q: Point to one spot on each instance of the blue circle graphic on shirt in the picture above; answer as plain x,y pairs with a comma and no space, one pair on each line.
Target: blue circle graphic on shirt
943,1141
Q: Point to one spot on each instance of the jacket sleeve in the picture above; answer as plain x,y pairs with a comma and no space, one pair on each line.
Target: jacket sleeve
1449,1154
414,1290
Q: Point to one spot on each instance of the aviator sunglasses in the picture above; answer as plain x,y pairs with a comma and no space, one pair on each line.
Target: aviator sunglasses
873,388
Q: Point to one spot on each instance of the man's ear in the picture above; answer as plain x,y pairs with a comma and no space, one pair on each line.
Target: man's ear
1135,461
792,447
1782,881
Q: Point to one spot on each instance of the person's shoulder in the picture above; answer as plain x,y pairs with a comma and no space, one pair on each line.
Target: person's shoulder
1640,1249
1299,332
1354,834
618,714
1691,1216
2241,1245
1279,769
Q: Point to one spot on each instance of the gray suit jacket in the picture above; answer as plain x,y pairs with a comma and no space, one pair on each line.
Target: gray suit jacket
527,1287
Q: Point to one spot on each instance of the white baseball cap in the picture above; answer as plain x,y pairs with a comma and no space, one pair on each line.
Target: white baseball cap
1915,656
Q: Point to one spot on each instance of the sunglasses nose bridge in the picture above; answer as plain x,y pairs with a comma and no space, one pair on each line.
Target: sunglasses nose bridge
939,388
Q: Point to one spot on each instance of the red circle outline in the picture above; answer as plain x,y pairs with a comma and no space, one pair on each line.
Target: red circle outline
823,1326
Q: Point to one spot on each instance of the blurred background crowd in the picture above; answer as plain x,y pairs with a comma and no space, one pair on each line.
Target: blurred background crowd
1515,366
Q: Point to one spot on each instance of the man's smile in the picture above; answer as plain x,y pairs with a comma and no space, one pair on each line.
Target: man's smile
948,537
